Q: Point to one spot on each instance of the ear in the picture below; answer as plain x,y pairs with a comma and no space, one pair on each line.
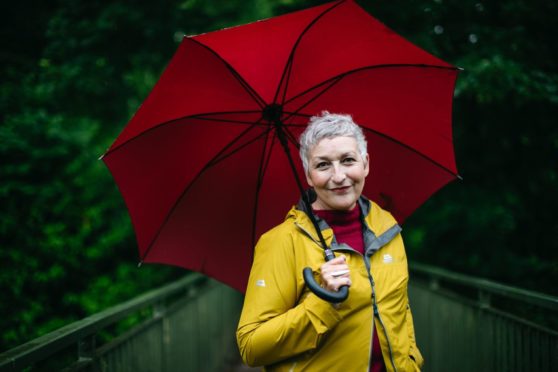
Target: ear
366,165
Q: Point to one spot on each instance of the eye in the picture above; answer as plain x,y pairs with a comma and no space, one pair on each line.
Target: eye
349,160
321,165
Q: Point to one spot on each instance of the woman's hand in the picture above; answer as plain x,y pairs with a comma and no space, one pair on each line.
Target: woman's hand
335,273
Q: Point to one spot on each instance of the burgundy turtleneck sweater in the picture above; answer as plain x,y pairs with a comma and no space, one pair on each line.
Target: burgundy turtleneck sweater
347,229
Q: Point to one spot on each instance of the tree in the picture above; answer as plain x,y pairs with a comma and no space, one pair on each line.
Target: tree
73,73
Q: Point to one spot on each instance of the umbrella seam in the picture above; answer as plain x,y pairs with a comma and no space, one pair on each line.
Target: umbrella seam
187,187
259,100
261,172
385,136
333,82
346,73
175,121
288,66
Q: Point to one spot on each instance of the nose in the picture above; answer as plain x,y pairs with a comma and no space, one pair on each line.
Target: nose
338,174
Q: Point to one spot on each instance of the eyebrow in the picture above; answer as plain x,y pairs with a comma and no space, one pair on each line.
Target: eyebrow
345,154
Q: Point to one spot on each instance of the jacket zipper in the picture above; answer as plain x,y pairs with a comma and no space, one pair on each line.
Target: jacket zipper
374,304
371,338
374,307
376,311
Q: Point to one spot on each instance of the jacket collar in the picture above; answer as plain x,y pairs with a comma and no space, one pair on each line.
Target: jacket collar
378,228
301,213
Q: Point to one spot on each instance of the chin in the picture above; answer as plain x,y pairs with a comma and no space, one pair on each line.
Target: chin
337,204
344,206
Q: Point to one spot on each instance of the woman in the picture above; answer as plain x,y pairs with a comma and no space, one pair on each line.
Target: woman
283,325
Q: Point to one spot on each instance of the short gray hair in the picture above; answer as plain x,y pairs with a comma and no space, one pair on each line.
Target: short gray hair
329,125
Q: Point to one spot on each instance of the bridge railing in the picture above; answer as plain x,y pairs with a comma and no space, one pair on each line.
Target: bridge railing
462,323
187,325
465,323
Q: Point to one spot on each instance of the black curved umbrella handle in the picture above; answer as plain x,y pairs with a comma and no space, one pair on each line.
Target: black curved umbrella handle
324,294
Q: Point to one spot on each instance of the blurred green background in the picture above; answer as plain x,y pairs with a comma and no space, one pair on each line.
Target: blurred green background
74,72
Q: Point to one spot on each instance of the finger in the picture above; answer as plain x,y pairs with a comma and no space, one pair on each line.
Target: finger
339,273
334,268
340,283
339,259
334,265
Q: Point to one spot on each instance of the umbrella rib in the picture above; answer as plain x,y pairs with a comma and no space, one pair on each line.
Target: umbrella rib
380,134
264,162
197,117
291,137
425,157
293,113
332,83
188,186
269,153
223,156
288,67
344,74
231,121
259,100
287,76
338,78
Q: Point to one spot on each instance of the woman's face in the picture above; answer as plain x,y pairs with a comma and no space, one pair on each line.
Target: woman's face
336,171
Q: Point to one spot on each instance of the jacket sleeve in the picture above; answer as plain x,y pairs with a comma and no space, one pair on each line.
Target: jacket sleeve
274,324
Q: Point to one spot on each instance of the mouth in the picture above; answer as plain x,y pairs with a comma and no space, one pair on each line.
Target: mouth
340,190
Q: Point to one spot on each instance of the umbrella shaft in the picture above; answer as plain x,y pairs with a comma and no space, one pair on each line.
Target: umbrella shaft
279,129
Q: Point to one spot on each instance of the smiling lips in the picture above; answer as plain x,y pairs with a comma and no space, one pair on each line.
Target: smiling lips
340,190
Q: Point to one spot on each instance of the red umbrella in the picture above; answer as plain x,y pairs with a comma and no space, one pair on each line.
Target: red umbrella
201,166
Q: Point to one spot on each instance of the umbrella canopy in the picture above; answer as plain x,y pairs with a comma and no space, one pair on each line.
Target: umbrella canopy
201,166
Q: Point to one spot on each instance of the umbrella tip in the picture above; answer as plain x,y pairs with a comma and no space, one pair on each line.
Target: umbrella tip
459,178
104,154
139,264
460,68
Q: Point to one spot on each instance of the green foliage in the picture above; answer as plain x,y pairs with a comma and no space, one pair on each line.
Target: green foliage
66,243
499,221
74,72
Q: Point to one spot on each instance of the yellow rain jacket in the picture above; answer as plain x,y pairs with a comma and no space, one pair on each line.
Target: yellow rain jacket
285,327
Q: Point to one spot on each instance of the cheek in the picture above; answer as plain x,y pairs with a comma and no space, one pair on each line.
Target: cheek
313,179
309,180
358,175
317,180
